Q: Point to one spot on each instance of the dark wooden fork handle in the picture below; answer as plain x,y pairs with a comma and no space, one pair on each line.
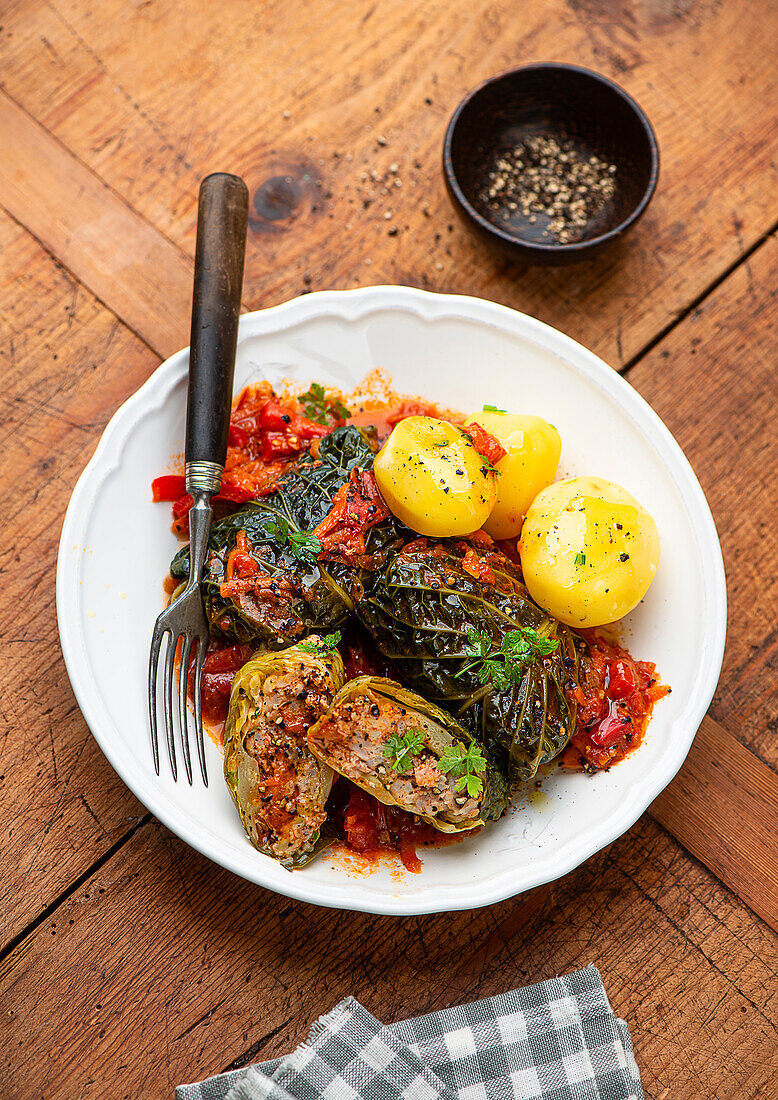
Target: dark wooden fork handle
218,281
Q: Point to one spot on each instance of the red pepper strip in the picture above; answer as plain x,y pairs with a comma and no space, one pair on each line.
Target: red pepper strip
181,506
168,487
609,731
485,443
230,493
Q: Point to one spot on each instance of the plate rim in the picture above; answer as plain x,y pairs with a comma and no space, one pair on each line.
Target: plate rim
351,305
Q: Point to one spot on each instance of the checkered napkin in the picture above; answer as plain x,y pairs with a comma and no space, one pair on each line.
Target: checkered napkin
558,1040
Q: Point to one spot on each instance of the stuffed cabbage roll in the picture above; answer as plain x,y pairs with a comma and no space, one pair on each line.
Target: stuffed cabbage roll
409,753
266,581
277,784
463,631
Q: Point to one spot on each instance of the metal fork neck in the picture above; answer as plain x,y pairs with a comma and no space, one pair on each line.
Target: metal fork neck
200,516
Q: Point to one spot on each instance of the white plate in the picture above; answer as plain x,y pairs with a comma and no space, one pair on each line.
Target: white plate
464,352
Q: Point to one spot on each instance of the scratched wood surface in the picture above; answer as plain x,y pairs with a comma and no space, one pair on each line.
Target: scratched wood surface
295,97
109,115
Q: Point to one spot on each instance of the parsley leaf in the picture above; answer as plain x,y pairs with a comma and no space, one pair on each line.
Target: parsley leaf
317,406
493,409
322,646
580,559
401,748
464,764
303,545
505,665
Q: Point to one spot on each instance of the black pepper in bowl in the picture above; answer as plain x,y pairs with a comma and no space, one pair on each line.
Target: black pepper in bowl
548,181
550,162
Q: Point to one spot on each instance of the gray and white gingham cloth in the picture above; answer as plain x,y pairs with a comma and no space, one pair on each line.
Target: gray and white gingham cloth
557,1040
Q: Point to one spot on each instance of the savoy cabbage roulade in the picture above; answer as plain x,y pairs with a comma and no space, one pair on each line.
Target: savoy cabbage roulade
409,753
277,784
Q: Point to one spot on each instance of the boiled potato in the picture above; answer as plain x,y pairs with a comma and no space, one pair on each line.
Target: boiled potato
533,447
433,479
588,550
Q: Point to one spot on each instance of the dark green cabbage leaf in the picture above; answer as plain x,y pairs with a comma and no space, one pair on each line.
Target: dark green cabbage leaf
419,610
305,595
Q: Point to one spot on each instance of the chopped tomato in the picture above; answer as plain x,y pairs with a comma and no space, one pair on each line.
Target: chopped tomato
477,567
621,679
610,730
219,670
237,437
485,443
614,700
356,507
374,830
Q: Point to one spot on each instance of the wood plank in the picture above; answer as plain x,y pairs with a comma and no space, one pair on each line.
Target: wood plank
198,967
67,363
723,808
107,246
150,110
714,383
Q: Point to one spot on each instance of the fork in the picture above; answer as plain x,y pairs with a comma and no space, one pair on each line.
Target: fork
222,216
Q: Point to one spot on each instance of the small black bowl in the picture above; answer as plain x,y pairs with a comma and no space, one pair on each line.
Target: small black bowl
567,103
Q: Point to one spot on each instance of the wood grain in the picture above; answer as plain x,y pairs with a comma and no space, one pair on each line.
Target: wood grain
109,116
714,383
106,245
66,363
150,110
723,807
199,967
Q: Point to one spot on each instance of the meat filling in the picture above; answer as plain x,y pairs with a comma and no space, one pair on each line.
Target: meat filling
285,798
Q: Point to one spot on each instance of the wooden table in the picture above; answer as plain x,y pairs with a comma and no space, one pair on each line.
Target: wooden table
130,963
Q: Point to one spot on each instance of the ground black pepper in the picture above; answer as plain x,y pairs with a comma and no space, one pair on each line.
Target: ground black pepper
542,177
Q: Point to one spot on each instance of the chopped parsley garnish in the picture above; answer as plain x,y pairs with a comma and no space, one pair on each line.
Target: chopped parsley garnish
317,406
580,558
464,764
505,665
493,409
305,546
322,646
400,748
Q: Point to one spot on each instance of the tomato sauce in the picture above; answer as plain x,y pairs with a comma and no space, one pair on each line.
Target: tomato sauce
375,831
614,702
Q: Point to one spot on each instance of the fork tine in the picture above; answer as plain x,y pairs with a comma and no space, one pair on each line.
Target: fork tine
156,642
167,697
183,709
198,702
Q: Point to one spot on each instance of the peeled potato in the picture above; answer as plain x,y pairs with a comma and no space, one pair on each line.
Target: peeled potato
588,550
433,479
533,447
